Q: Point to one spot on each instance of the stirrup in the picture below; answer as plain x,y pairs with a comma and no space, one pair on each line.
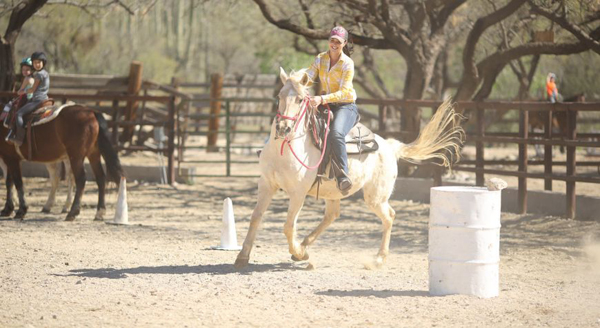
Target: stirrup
344,184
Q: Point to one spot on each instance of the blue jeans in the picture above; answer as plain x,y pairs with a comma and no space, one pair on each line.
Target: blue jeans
26,109
344,119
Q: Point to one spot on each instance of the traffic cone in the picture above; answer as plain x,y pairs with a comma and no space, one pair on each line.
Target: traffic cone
228,234
121,211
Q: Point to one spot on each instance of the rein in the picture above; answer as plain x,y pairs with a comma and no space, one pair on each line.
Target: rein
297,119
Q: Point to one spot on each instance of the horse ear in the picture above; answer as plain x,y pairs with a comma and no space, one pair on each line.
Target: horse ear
305,79
282,75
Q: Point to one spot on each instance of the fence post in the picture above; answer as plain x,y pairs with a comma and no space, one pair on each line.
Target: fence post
171,145
115,119
215,109
524,135
548,151
571,162
381,118
228,138
135,84
479,149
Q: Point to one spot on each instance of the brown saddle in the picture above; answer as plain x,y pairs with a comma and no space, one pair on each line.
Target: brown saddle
44,109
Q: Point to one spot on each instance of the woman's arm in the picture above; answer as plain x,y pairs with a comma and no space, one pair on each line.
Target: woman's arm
313,71
346,92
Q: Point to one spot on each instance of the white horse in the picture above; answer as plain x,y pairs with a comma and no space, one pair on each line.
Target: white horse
374,172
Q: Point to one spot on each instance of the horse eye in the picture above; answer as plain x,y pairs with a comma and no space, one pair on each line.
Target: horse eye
298,99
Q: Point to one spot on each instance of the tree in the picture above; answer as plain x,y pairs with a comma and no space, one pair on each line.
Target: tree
19,15
421,31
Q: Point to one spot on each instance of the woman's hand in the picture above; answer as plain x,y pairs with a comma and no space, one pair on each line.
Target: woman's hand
20,92
316,101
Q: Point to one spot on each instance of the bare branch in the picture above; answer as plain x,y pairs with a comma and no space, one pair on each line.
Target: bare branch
318,34
577,31
480,26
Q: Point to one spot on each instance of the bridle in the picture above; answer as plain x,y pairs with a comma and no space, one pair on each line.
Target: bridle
297,119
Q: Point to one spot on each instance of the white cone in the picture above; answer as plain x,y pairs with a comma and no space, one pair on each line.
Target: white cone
228,234
121,211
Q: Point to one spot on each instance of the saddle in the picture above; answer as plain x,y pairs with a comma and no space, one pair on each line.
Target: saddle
359,140
46,112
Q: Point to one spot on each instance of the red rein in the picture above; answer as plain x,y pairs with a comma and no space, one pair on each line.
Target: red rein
297,121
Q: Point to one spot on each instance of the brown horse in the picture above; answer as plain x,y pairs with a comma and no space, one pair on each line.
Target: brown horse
75,134
559,124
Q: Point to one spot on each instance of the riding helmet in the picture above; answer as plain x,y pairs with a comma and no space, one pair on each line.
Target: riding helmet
38,55
26,62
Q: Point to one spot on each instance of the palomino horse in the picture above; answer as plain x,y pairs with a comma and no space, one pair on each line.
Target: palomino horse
75,134
54,172
374,172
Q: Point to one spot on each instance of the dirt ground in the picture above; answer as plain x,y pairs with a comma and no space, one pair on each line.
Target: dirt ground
160,270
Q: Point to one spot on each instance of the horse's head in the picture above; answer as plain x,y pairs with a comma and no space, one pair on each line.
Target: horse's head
293,97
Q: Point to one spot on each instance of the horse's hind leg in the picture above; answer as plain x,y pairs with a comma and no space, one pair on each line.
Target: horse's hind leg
387,215
96,165
332,212
265,195
70,185
79,173
54,173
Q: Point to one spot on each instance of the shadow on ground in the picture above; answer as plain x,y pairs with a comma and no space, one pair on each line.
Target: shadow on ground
212,269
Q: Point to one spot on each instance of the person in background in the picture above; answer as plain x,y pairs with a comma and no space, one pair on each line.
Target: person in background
551,90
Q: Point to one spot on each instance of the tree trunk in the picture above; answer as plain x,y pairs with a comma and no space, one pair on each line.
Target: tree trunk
7,64
19,15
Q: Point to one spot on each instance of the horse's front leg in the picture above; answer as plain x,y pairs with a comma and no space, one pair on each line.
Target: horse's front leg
15,171
265,195
332,212
289,229
9,206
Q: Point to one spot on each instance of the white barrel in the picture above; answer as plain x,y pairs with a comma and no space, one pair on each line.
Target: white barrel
464,241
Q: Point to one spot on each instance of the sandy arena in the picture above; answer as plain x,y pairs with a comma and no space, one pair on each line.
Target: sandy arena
160,271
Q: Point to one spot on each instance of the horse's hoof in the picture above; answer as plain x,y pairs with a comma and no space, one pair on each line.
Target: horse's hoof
304,258
377,264
241,263
46,210
71,217
19,216
6,213
99,215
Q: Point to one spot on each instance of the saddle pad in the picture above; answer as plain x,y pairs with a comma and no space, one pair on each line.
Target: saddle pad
47,114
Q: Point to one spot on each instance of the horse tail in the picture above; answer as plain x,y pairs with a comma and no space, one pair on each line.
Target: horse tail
111,158
440,139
